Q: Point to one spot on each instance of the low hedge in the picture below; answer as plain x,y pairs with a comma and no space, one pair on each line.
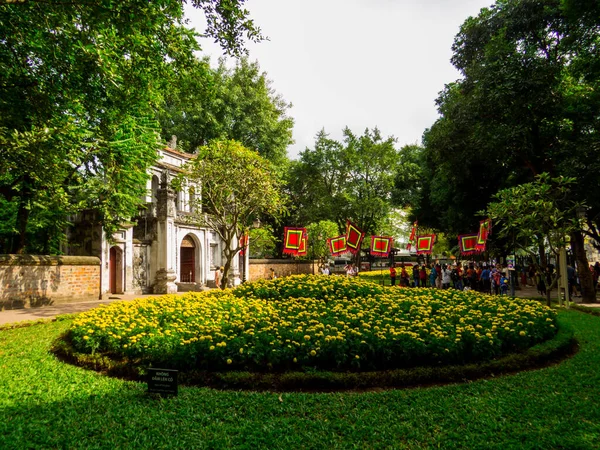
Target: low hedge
563,344
306,323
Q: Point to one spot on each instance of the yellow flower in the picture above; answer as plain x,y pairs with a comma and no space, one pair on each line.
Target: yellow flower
229,361
522,333
313,353
295,360
357,357
85,338
212,347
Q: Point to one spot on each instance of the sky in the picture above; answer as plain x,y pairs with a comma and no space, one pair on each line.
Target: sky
355,63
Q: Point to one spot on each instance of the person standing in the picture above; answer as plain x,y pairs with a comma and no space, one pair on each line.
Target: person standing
325,270
218,277
485,280
423,276
404,280
446,277
433,276
415,274
393,275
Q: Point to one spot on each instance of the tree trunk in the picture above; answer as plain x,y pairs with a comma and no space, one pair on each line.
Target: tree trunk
588,293
226,268
22,220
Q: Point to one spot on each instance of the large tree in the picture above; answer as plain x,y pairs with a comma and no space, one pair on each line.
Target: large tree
237,186
80,83
227,103
527,104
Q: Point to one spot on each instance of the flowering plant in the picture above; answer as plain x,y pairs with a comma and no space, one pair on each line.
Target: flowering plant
330,323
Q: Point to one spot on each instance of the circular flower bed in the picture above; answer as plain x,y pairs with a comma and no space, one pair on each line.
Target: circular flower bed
314,322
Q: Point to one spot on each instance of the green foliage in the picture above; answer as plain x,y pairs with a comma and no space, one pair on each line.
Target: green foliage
237,185
314,323
79,83
262,242
550,408
203,104
318,233
523,107
350,180
537,213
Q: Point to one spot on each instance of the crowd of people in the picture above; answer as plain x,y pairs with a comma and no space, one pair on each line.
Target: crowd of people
479,277
483,277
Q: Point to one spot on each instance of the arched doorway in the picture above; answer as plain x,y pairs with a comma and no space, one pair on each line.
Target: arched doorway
187,266
116,270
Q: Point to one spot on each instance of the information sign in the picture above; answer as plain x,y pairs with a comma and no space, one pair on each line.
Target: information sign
162,381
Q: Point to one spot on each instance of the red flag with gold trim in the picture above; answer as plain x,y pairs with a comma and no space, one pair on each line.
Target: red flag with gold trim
303,250
337,245
244,243
485,229
467,244
413,235
292,240
425,244
381,245
354,237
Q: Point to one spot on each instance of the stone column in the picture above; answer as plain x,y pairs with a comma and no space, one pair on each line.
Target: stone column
165,275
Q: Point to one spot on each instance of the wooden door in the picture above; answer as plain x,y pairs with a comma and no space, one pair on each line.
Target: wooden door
187,267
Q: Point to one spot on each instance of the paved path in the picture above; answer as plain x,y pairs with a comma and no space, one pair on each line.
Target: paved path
47,312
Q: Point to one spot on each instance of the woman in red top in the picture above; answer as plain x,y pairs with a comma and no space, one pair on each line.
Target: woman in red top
423,277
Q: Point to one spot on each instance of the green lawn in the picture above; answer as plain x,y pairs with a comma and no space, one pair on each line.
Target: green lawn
47,404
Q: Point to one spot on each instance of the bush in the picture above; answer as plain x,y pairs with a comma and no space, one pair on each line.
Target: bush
314,323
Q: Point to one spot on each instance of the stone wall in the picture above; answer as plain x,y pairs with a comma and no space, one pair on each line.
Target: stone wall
31,281
261,268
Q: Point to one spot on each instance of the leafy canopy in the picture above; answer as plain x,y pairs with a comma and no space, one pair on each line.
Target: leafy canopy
236,186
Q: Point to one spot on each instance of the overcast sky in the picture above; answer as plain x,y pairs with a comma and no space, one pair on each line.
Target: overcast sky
356,63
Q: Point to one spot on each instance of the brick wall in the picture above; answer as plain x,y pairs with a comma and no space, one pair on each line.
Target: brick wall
30,281
261,268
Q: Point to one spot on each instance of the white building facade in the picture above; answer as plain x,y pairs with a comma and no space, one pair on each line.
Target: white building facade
160,251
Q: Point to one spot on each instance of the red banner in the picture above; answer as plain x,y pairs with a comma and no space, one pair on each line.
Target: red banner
485,229
354,237
292,241
467,244
425,244
413,235
244,243
337,245
381,245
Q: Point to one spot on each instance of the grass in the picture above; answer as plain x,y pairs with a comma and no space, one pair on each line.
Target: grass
47,404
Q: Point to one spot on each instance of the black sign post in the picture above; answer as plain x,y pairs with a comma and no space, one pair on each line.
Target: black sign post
162,381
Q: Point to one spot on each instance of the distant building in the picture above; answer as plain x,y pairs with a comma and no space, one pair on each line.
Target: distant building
158,251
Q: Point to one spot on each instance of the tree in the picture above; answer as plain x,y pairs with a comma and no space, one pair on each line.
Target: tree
79,86
525,105
537,214
262,242
239,103
237,185
350,180
318,233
